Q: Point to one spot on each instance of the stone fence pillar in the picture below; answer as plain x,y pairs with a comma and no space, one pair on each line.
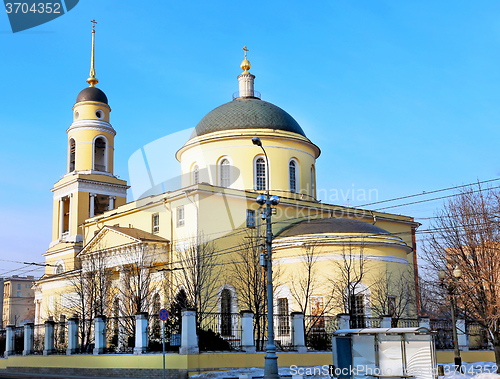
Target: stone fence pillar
10,340
385,321
424,322
463,343
299,339
343,321
189,339
49,338
247,336
100,334
72,336
141,333
29,338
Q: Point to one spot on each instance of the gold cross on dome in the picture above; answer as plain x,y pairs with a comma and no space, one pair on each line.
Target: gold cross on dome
93,21
245,48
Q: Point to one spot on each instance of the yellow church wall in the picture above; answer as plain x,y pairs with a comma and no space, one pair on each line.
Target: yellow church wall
87,111
241,154
84,139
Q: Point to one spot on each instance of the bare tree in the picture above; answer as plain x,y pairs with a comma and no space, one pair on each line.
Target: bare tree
393,294
199,272
91,289
249,279
348,274
305,282
139,281
466,234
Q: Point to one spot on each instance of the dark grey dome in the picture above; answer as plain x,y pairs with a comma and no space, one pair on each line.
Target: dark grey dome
247,113
330,225
92,94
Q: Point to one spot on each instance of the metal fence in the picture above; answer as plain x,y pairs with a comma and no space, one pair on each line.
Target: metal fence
219,331
172,333
318,331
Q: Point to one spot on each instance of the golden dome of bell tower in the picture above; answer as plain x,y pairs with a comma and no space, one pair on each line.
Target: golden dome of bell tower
89,187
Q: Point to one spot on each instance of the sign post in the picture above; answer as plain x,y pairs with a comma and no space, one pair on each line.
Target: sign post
163,317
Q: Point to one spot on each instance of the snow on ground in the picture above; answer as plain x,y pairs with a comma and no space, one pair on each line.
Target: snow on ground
477,370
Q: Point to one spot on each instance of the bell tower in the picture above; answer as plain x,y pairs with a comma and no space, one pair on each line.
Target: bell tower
89,187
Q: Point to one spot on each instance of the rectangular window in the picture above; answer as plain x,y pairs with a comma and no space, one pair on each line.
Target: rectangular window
358,311
250,218
156,223
180,216
18,293
18,286
283,317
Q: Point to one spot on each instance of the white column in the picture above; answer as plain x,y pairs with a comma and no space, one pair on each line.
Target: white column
122,342
189,340
111,202
424,322
69,216
100,334
92,211
10,340
141,333
37,311
462,335
299,339
343,321
61,217
29,329
49,338
247,337
385,321
72,336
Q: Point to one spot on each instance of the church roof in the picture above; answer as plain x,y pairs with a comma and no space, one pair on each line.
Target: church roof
330,225
247,113
138,234
92,94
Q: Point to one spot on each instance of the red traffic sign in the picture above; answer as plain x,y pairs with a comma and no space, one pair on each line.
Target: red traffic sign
163,314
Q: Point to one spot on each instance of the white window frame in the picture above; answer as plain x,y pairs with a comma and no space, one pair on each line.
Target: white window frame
297,176
252,224
266,173
180,216
219,171
155,223
195,177
69,154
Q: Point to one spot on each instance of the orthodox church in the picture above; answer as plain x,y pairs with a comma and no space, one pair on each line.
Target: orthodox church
337,249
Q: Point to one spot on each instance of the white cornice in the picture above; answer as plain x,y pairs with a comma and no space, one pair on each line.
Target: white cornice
82,185
339,257
102,126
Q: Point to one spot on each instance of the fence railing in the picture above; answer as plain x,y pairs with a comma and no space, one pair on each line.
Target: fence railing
219,331
223,332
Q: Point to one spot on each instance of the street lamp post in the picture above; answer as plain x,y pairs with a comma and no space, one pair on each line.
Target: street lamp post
271,359
457,273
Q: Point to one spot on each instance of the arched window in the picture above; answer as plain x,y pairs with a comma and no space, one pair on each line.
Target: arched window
313,187
196,174
292,175
225,180
260,174
225,303
100,154
72,154
59,269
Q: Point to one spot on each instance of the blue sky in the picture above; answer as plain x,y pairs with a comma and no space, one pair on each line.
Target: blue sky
401,97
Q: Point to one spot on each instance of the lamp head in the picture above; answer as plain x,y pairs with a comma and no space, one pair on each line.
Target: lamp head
261,199
275,200
457,273
256,141
441,275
